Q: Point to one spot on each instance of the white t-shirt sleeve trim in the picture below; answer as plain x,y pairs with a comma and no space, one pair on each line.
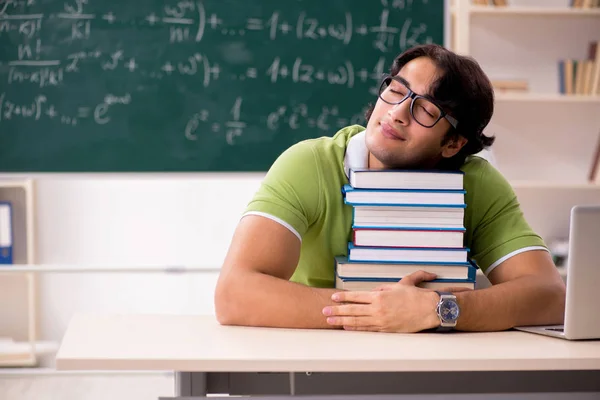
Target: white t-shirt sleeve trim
278,220
514,253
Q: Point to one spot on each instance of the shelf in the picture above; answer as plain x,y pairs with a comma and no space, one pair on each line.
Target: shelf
19,354
534,11
18,293
14,183
546,97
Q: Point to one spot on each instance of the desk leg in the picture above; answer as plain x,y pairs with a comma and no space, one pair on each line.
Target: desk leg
183,384
188,384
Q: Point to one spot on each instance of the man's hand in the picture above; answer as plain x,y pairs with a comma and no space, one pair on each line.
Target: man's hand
397,307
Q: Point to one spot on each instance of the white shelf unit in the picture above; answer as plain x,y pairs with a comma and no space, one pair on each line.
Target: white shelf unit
18,296
464,10
540,129
545,140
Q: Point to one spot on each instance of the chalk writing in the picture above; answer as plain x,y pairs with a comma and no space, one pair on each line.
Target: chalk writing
299,117
40,107
197,49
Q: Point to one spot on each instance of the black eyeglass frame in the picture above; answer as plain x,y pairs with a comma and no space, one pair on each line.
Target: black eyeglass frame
413,96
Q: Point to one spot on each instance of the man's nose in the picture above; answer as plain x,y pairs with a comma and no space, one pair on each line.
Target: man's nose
400,113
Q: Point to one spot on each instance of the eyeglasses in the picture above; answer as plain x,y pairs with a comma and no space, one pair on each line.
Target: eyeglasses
423,110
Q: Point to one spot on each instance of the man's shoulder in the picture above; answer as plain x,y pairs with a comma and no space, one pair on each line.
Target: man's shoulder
331,144
481,173
475,165
320,157
325,153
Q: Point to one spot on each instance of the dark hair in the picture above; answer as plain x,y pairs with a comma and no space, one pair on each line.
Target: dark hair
463,91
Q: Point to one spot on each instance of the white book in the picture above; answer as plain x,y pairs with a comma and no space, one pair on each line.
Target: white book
412,212
394,254
406,179
409,238
389,197
353,269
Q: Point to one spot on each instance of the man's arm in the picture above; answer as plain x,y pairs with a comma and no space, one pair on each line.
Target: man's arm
527,290
254,288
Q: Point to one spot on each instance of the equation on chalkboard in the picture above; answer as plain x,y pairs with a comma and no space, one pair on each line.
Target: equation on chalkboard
222,85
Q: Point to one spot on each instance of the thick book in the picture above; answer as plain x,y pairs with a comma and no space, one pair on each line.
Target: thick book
407,254
371,284
6,236
364,216
396,237
406,179
356,197
372,269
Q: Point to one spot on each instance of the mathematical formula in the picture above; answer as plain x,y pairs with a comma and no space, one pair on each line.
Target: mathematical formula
41,107
31,61
189,21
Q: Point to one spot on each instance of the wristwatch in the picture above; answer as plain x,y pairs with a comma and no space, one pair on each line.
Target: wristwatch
448,311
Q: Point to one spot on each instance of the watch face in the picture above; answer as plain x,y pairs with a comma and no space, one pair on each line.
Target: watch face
449,311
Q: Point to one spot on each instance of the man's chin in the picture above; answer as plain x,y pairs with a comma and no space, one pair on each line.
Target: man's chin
389,160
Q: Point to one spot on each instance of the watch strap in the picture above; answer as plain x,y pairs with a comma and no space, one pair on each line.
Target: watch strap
443,328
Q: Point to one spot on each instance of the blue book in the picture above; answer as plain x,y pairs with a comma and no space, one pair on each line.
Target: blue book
407,254
395,270
388,197
406,179
367,284
561,77
6,233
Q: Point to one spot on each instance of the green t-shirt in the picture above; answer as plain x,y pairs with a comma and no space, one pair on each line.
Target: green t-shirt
302,191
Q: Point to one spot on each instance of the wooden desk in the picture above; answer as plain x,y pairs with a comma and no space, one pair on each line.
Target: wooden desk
210,358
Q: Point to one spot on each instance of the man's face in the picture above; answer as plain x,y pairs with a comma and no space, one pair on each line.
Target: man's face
395,139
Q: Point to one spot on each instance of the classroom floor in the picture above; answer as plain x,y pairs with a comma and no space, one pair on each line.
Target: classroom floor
52,386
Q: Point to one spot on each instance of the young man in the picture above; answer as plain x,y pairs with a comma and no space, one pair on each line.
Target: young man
430,113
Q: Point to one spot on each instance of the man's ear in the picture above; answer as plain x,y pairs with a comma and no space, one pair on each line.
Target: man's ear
453,146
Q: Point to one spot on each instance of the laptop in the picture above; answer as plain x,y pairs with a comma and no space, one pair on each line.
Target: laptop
582,319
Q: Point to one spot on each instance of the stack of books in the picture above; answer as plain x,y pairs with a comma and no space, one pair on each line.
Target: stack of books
584,3
402,222
510,85
581,76
501,3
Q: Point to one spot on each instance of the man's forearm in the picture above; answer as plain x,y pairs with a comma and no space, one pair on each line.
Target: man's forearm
257,299
522,301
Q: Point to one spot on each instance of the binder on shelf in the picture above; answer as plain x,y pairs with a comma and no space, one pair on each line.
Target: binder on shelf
594,175
6,234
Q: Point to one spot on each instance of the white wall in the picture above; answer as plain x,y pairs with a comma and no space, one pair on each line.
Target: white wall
179,220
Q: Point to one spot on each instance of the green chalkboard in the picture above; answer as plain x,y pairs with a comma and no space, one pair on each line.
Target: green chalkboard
220,85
